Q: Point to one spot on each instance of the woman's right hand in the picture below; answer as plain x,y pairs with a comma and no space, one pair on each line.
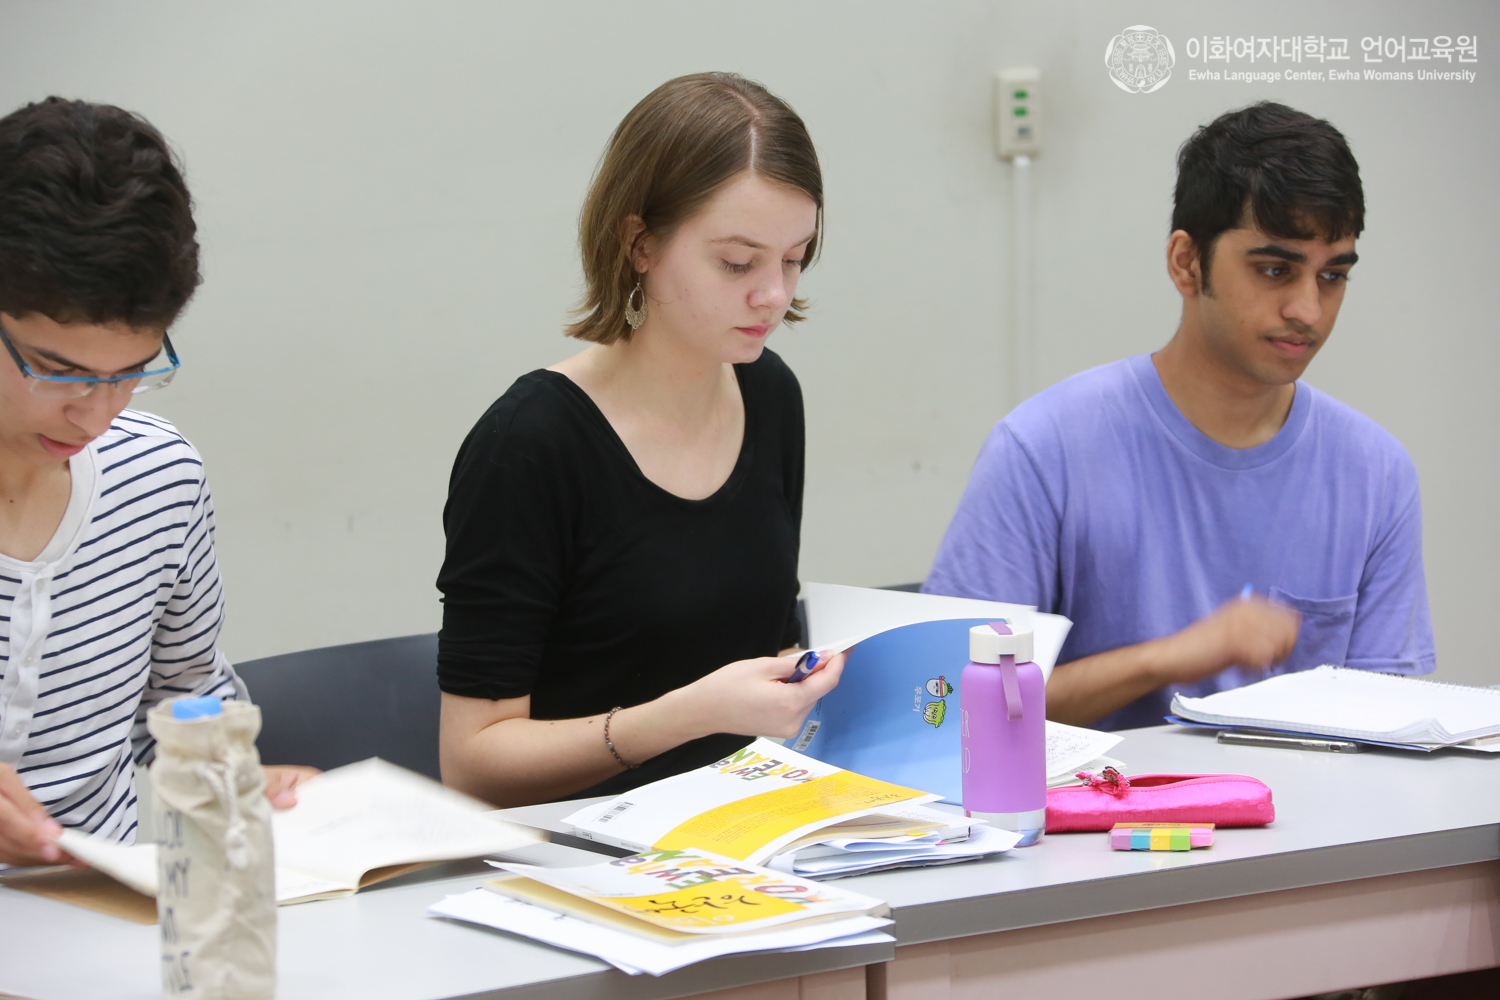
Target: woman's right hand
28,835
751,698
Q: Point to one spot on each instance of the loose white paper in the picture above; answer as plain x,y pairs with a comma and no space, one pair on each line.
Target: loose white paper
983,840
1070,748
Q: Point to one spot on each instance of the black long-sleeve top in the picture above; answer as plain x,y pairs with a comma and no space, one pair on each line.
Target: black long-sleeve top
571,577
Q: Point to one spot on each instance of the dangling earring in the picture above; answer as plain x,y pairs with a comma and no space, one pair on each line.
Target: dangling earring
633,315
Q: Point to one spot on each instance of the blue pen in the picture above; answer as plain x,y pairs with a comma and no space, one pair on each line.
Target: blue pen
806,664
1246,591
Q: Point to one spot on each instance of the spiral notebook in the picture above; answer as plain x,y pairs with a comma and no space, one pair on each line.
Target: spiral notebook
1357,705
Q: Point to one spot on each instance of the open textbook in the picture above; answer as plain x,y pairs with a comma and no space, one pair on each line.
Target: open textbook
1358,705
350,826
766,804
660,910
895,716
839,616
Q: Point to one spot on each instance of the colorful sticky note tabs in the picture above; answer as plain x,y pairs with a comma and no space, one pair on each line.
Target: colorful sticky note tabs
1160,836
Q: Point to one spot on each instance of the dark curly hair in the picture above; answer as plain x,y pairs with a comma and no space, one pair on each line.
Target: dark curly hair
1290,172
96,224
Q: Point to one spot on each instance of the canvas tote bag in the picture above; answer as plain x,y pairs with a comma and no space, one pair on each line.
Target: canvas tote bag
216,894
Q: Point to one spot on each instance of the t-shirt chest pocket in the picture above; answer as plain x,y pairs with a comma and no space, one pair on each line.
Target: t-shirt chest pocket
1327,626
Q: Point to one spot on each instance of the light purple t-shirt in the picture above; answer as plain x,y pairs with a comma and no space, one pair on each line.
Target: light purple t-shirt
1097,499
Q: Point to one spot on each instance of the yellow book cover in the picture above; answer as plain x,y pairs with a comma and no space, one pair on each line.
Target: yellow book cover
748,806
687,892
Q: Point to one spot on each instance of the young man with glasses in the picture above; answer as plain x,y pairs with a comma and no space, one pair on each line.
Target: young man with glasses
1202,515
110,599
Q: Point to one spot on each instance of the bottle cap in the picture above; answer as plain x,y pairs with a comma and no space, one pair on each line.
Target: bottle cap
196,708
987,643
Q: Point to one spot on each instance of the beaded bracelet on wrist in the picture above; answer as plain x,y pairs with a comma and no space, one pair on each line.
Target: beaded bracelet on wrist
610,743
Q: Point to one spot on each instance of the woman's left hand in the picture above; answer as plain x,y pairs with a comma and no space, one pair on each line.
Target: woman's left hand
282,781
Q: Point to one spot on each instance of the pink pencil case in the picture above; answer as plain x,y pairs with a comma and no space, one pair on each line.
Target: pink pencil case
1221,799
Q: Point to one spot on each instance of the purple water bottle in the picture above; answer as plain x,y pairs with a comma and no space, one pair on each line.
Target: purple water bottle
1003,705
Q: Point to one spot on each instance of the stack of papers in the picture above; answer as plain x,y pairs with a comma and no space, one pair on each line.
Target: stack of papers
350,827
836,856
1357,705
769,805
661,910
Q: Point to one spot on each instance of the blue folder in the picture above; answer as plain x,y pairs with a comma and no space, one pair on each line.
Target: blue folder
894,715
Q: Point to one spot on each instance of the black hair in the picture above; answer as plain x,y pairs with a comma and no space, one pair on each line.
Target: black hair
96,224
1290,172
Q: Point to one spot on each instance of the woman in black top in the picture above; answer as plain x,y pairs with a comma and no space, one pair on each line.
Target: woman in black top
621,569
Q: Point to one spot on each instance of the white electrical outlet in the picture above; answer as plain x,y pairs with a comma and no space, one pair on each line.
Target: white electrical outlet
1018,119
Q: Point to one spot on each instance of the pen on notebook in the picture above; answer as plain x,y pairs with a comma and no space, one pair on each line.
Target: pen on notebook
1246,591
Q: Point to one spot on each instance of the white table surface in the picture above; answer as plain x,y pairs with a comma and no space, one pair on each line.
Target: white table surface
1339,817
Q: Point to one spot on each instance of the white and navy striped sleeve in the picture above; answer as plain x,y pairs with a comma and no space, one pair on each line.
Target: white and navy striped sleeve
125,615
185,659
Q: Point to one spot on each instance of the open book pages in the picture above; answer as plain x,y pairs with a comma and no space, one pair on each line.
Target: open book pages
748,806
893,824
1355,704
682,893
904,836
658,951
129,864
347,823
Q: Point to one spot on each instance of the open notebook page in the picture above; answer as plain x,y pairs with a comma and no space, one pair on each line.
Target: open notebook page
1360,704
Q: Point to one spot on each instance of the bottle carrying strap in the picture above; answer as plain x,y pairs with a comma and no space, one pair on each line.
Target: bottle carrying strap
1012,687
1009,684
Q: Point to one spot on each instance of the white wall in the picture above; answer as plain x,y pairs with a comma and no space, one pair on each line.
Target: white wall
387,195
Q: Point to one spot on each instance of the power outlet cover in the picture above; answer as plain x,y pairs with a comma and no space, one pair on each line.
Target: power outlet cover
1018,112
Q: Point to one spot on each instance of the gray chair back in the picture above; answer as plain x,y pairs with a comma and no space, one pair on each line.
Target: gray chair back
333,706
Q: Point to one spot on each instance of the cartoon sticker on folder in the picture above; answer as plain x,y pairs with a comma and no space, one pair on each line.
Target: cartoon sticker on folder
935,712
939,687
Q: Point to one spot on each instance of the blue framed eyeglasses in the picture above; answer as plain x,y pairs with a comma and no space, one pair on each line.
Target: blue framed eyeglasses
72,387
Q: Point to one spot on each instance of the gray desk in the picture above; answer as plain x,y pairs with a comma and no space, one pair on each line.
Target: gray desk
1380,866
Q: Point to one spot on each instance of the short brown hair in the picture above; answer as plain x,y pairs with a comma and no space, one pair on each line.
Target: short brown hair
665,160
96,225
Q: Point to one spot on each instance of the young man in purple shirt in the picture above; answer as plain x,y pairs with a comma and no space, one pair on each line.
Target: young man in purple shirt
1203,517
